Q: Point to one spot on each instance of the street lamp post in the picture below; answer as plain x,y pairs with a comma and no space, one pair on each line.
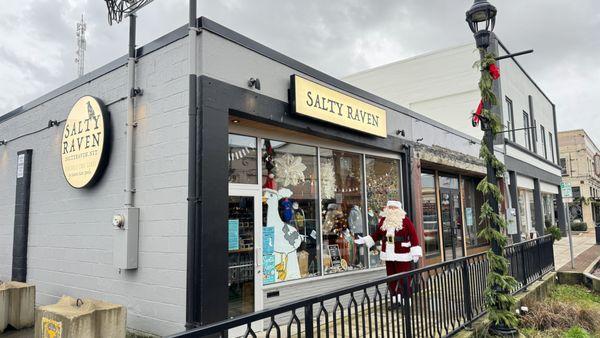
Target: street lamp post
481,18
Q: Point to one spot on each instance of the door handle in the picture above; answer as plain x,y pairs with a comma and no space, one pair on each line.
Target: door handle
258,257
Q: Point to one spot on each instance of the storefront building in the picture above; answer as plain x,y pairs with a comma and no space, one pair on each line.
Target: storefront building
580,165
250,199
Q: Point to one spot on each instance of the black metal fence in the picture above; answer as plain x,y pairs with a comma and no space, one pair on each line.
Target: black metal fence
434,301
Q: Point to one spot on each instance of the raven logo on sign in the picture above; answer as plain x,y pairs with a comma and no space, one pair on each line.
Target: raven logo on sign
84,142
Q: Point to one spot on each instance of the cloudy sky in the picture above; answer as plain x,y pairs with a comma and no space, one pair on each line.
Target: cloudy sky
37,39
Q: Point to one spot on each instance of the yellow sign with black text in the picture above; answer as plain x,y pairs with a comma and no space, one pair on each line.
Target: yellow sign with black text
84,142
322,103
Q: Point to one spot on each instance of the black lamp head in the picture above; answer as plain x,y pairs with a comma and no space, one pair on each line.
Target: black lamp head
481,18
484,13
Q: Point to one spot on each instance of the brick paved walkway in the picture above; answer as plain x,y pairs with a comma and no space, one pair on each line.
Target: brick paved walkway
581,243
583,260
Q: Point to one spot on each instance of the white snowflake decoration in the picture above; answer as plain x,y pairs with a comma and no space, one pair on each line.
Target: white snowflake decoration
327,180
289,170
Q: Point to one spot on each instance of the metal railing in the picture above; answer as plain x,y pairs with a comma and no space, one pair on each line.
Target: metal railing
433,301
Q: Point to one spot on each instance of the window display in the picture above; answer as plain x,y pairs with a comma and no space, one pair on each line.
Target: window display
383,184
242,159
290,211
342,210
548,200
303,236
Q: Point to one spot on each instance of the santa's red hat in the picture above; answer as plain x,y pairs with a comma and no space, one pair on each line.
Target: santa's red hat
270,183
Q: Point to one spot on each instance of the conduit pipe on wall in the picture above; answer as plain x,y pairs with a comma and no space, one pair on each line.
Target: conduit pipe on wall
130,124
192,282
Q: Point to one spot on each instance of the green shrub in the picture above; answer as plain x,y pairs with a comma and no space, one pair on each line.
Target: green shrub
576,332
555,232
579,226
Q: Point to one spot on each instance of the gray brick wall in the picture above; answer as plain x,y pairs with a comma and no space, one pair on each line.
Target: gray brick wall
70,231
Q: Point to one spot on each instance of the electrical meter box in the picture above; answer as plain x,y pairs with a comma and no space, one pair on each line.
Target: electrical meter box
126,238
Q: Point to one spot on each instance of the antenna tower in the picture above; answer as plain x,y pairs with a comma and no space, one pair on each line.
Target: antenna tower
80,53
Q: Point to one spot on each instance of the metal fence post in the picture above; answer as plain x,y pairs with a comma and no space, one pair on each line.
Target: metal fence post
308,321
406,289
467,292
524,276
552,255
539,256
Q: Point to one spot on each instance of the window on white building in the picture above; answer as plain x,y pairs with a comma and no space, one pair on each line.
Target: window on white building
510,125
527,130
543,134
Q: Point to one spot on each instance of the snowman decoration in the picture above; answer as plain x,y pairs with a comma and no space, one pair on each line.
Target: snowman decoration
287,239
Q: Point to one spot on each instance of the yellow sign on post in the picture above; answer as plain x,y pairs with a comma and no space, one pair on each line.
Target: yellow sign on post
322,103
84,142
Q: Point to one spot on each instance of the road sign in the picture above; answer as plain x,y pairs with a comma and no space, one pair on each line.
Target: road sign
567,191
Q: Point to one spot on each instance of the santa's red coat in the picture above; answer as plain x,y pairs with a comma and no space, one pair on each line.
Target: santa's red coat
405,242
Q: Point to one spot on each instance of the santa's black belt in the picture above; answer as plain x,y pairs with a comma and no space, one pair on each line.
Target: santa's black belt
400,238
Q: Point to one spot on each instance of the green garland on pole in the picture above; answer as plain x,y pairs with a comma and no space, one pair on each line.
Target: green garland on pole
499,302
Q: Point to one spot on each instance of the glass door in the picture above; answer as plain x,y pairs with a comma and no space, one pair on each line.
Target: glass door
245,252
451,216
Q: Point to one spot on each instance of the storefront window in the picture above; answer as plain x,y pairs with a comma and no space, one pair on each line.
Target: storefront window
531,212
383,184
290,211
548,200
342,203
473,203
451,217
430,215
242,159
523,206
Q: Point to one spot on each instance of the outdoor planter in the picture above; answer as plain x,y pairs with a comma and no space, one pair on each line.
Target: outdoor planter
72,317
3,307
17,303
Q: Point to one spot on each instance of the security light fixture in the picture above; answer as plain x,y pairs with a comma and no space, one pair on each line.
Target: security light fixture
401,132
481,18
254,83
53,123
3,142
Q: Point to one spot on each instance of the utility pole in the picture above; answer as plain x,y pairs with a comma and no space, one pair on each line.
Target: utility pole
81,46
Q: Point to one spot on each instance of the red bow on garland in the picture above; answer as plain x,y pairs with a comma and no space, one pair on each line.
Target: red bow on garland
495,73
477,115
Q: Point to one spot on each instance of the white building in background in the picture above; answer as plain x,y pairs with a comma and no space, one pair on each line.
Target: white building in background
443,85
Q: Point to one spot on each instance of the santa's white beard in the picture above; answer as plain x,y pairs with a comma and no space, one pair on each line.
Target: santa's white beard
393,219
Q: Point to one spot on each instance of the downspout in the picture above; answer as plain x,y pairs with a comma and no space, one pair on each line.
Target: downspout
21,229
192,283
129,188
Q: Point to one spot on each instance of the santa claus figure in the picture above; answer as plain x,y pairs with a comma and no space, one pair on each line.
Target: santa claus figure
400,244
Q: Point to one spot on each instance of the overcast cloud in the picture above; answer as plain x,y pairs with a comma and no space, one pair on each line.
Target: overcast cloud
37,40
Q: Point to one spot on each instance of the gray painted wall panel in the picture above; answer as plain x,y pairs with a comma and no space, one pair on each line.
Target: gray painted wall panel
226,61
70,234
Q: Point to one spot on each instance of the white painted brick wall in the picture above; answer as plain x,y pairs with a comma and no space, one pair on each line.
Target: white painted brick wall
70,232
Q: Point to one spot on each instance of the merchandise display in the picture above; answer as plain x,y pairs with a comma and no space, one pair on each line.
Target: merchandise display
290,205
383,184
342,215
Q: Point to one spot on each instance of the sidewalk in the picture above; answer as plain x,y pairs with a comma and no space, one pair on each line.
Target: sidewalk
581,243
